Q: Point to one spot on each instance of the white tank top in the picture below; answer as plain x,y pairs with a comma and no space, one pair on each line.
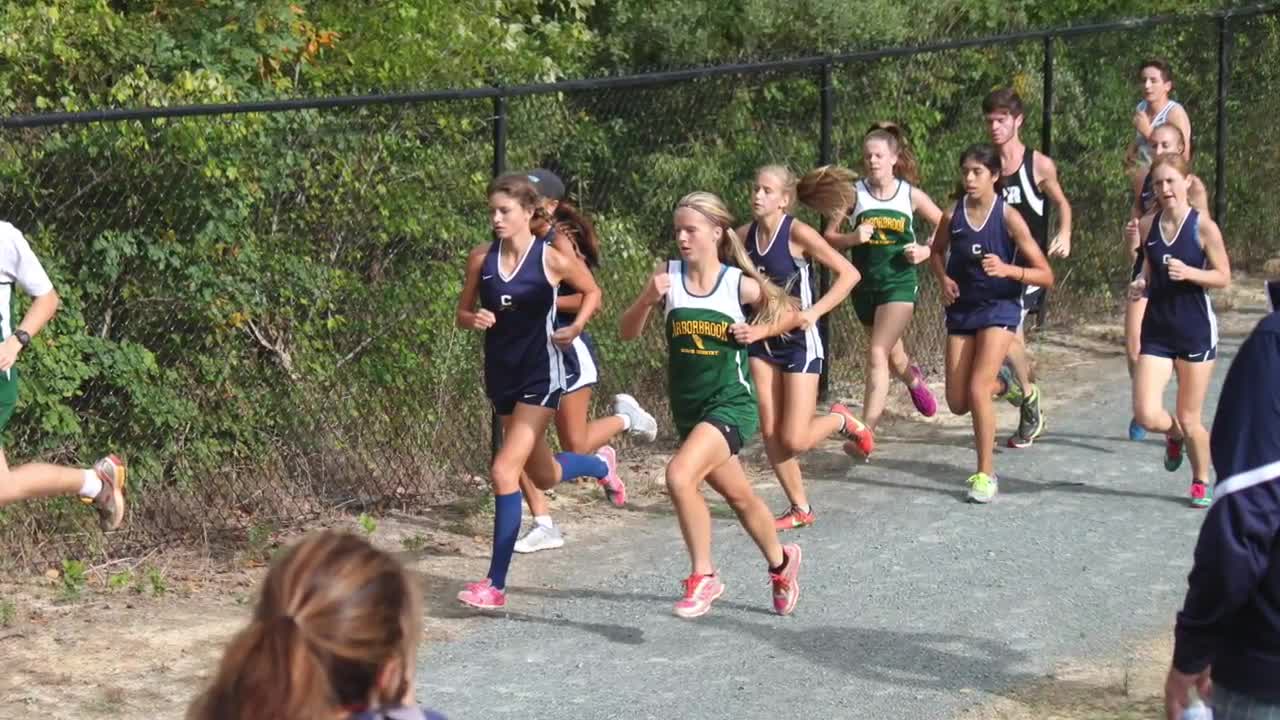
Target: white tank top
1161,118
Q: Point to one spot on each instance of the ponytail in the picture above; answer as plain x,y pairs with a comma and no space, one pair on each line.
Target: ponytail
268,673
574,224
907,167
775,302
828,189
334,613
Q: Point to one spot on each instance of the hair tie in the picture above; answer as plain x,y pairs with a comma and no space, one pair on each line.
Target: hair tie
703,213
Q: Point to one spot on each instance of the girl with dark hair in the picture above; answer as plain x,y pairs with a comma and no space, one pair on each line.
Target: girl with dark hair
510,293
572,233
989,255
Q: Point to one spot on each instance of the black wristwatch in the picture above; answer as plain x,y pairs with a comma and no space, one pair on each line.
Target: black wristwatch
24,337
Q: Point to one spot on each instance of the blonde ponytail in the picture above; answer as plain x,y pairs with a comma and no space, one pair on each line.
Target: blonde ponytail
775,302
829,190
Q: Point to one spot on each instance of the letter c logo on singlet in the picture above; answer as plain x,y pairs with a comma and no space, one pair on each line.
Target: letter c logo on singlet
976,249
505,301
1164,260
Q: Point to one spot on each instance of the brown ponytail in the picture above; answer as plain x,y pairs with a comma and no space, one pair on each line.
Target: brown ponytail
574,224
334,613
907,167
829,190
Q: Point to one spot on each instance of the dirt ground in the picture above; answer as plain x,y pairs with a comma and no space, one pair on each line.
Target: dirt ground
137,639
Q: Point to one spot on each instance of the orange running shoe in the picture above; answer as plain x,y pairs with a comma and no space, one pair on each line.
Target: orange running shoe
793,519
861,438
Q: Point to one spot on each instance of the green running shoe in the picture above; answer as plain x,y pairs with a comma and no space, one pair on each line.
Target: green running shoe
1031,422
1173,450
1012,390
1201,494
983,488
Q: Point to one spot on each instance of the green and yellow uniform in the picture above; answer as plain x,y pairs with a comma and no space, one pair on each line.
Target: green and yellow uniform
707,372
887,275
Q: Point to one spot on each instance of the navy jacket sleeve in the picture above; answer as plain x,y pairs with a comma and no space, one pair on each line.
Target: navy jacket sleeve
1240,531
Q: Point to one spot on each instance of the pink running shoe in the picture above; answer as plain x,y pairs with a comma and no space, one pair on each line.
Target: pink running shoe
614,489
699,592
786,589
483,595
860,436
921,397
1201,494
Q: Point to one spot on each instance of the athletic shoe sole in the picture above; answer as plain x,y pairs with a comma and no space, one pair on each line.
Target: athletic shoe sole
690,614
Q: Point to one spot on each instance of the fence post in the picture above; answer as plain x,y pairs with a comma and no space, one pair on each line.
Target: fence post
1046,147
825,154
1220,153
1046,123
499,166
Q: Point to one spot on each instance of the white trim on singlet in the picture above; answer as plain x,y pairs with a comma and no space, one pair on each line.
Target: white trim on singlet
898,202
813,349
724,298
964,213
519,263
755,236
1030,192
1176,235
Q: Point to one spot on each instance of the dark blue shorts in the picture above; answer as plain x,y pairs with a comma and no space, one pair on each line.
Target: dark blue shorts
790,355
970,317
581,364
970,332
1182,328
1174,349
539,396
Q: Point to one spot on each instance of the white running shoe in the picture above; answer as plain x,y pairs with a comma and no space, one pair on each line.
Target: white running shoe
642,423
540,538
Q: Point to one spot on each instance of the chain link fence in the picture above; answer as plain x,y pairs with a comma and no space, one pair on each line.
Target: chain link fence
258,301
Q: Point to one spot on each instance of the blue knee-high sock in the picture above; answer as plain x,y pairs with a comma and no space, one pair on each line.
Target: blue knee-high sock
574,465
506,526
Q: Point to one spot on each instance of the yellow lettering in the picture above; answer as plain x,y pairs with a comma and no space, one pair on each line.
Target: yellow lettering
881,222
717,330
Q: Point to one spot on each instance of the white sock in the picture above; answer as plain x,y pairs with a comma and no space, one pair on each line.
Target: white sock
544,521
92,484
804,508
626,422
